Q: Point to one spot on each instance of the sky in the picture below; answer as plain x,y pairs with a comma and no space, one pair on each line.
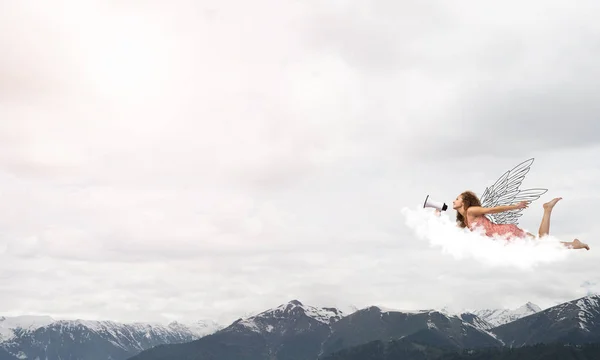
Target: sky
211,160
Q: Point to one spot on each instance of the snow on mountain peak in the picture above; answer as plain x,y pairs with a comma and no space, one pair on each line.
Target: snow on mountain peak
591,301
497,317
25,322
528,308
589,309
198,328
385,309
262,321
9,325
324,315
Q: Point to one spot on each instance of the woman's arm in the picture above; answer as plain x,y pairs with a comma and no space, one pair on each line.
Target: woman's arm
478,210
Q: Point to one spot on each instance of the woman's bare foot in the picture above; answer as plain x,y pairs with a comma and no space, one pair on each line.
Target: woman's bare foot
550,204
576,244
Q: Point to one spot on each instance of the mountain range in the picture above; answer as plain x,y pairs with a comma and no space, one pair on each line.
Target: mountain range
42,337
295,331
490,318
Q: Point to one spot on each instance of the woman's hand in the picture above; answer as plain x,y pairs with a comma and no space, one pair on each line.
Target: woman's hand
521,205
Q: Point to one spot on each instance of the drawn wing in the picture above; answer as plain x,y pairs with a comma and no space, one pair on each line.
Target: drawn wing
506,191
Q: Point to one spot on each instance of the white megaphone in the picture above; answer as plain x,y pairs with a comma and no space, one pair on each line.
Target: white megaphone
434,204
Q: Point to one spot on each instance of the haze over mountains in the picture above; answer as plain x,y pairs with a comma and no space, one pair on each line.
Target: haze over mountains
299,331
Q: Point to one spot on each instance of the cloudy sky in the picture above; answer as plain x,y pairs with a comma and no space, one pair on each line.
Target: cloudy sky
210,159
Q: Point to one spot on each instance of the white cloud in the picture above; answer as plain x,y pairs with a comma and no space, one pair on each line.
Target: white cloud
207,160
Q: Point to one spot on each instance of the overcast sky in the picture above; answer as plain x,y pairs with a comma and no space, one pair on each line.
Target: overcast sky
206,160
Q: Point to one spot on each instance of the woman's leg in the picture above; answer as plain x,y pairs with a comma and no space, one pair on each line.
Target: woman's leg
545,225
575,244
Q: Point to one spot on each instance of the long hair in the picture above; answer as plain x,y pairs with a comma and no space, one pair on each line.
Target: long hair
469,199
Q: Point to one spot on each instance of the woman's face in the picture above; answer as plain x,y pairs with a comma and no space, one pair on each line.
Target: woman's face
458,203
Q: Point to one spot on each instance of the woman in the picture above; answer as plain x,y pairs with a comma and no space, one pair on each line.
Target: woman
470,214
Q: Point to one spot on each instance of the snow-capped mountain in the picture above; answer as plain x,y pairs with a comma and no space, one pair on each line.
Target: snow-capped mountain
487,319
198,328
426,326
281,328
29,337
289,331
475,320
270,320
19,324
497,317
468,317
295,331
575,322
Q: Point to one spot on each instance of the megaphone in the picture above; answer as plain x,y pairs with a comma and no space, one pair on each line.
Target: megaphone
435,204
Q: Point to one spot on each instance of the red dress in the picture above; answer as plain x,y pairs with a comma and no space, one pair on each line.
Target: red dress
500,229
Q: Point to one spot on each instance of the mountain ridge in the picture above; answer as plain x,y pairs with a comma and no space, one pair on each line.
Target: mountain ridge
289,331
576,321
43,337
